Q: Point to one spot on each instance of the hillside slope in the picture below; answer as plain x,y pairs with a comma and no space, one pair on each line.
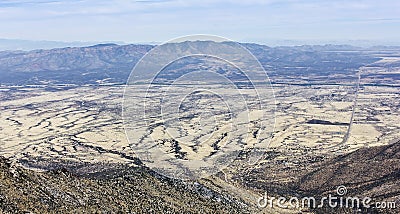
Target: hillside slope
118,189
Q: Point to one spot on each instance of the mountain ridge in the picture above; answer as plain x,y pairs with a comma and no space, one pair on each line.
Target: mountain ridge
112,63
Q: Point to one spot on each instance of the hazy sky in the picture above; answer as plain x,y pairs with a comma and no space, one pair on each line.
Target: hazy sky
154,21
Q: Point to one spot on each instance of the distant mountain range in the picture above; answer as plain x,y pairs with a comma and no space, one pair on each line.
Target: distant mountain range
77,65
27,45
112,63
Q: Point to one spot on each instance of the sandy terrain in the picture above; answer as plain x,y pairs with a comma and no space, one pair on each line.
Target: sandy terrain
86,124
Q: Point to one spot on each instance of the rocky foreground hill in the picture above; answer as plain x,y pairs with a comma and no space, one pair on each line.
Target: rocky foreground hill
113,189
368,172
372,172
